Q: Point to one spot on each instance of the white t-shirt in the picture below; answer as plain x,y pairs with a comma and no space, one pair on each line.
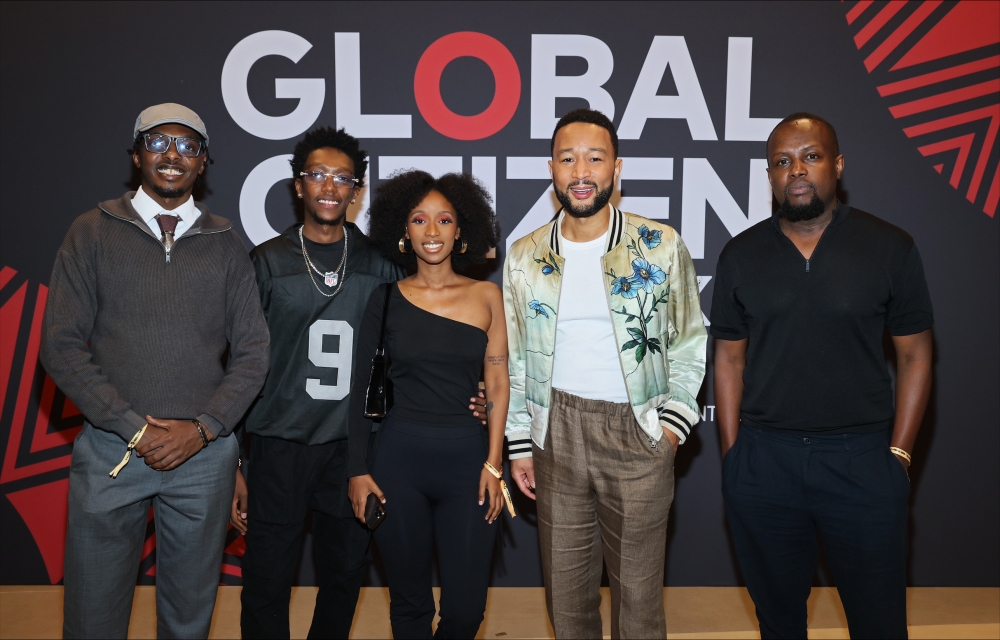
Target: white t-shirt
586,362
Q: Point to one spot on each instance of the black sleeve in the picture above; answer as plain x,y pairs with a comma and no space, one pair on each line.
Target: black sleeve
728,319
909,310
359,428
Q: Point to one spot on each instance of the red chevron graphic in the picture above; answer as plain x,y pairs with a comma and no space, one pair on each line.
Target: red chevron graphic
43,438
963,144
920,55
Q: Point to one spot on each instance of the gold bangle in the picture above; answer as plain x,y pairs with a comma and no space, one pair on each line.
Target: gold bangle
902,454
498,474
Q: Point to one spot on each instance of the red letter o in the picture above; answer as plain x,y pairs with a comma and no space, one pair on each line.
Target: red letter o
427,85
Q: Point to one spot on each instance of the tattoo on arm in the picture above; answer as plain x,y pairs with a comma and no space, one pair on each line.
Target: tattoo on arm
489,407
496,359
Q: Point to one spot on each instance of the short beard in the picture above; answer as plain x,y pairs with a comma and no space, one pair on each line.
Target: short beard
601,199
802,212
330,223
166,192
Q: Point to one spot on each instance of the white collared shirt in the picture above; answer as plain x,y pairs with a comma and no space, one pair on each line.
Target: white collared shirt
148,209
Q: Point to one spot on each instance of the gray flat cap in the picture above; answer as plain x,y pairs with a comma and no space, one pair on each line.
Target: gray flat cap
169,113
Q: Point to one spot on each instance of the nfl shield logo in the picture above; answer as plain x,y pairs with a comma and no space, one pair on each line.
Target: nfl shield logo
330,278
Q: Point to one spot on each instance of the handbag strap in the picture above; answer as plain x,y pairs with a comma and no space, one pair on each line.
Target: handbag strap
385,314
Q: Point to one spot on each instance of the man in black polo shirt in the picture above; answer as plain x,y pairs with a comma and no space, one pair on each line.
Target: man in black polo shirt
813,442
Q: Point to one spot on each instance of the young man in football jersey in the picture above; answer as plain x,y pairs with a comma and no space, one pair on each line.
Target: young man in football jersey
315,280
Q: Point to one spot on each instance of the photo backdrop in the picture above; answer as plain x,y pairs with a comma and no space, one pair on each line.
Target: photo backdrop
694,88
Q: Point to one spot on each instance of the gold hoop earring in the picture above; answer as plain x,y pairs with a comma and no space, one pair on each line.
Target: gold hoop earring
465,245
402,245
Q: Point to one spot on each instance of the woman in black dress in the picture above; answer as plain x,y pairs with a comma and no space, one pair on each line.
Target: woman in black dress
442,330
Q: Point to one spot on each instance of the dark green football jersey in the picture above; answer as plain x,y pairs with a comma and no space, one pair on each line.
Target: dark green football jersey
306,397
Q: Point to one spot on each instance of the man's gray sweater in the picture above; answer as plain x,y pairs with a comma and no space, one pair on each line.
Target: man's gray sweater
127,333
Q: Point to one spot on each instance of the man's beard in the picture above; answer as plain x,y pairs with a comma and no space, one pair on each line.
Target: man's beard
801,212
167,192
332,223
601,199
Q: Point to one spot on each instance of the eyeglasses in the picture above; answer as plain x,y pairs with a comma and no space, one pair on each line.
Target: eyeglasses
160,143
319,177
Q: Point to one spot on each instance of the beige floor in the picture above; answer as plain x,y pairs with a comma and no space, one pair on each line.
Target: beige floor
692,612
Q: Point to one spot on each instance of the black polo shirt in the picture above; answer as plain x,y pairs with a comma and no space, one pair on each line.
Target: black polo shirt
815,359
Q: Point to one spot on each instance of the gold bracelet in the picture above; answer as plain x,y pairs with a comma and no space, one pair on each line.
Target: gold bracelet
128,452
902,454
498,474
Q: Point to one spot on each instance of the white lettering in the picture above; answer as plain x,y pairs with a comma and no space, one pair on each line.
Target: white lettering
546,86
254,193
654,208
310,92
347,63
532,168
689,103
702,283
739,124
708,413
702,186
341,360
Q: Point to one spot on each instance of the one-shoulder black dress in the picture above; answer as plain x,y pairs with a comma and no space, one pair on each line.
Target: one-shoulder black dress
428,461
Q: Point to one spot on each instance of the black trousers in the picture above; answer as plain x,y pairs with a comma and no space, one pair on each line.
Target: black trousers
430,478
783,490
285,480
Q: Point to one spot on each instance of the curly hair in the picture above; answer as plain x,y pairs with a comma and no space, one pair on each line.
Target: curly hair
399,195
323,137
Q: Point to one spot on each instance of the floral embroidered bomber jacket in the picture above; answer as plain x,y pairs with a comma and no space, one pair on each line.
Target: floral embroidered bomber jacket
654,304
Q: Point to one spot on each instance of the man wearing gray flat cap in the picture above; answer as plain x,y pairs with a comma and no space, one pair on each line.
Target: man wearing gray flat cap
154,330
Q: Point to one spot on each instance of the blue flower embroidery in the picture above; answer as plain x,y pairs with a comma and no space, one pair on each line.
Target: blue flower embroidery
539,308
548,265
647,275
650,238
624,287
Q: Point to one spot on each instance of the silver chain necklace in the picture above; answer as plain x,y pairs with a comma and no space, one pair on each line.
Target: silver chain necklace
330,278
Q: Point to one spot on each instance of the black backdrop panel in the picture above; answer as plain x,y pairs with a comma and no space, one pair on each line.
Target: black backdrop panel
694,88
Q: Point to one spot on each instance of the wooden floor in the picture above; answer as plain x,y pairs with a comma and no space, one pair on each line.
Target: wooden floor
692,612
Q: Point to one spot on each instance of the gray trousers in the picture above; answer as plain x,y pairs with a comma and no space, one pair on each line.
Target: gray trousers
107,525
604,493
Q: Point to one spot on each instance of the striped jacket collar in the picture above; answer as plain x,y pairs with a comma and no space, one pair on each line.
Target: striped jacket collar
616,230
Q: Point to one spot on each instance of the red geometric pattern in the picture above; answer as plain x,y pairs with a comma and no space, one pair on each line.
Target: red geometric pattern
38,424
938,65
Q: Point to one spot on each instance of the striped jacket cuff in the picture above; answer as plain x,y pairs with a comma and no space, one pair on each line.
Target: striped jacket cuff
519,446
678,418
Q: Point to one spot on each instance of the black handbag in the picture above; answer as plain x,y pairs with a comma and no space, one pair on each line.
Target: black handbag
378,398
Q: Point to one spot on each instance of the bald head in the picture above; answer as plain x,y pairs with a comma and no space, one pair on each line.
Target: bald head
812,123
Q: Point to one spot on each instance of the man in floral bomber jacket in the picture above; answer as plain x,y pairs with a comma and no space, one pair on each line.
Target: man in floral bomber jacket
607,353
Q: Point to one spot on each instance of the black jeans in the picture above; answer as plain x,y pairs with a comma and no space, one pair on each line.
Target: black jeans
781,490
430,478
286,479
